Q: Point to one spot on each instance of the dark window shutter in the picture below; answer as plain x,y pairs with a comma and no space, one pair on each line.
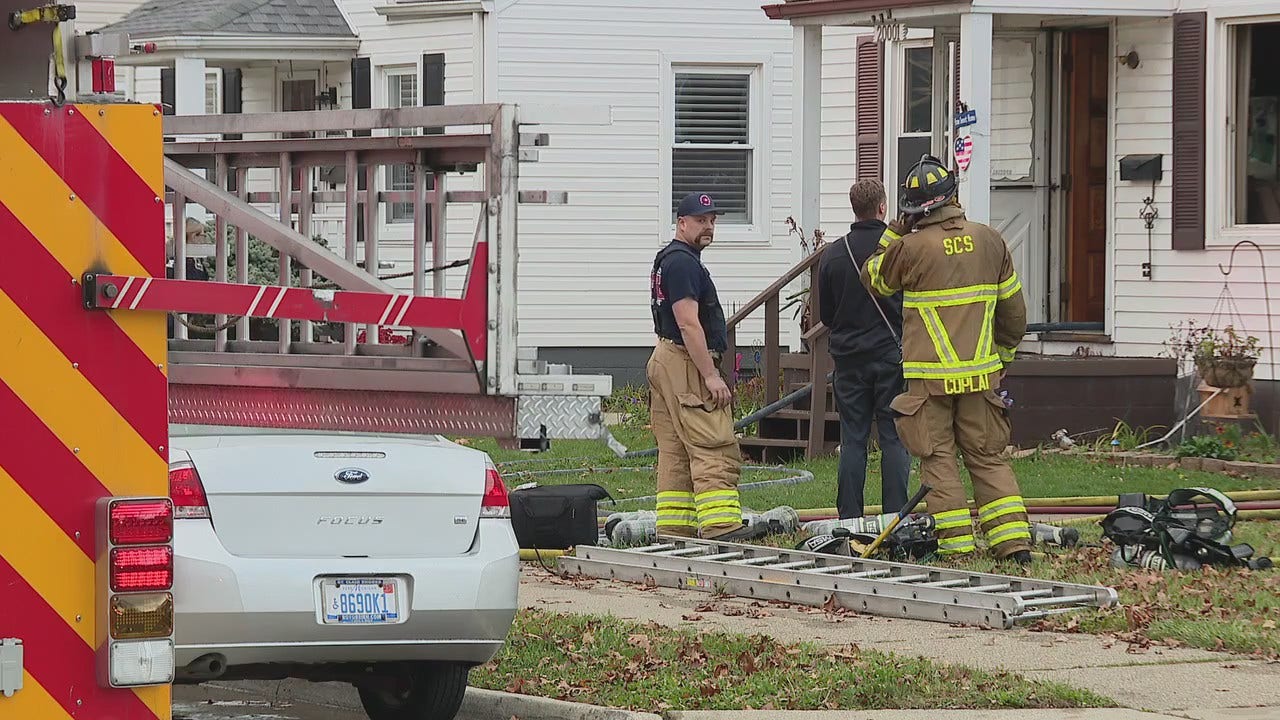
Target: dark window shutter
361,98
869,112
1189,37
433,85
167,90
232,97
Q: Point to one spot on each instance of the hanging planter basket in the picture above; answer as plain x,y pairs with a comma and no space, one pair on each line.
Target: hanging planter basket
1226,372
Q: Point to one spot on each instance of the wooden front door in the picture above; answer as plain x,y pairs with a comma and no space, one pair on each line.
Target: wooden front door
1087,65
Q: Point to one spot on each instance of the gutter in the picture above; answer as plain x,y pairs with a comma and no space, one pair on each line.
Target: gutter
815,8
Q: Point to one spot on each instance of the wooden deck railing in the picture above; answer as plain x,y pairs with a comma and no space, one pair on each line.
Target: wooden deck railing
815,338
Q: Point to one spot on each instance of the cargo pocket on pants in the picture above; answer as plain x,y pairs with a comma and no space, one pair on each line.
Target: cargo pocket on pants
705,424
912,424
996,428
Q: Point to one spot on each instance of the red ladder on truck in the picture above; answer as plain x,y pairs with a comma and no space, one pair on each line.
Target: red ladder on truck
87,381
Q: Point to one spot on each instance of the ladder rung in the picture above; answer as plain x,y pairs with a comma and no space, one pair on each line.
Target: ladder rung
908,578
755,560
721,556
659,546
680,552
791,565
990,588
866,574
951,583
1031,593
832,569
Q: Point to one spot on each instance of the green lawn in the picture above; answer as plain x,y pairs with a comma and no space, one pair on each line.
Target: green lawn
1046,475
1231,609
618,663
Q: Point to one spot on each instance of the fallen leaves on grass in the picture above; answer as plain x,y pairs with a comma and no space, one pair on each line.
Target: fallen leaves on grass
616,663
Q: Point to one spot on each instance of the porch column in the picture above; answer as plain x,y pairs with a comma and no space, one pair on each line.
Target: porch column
975,91
806,103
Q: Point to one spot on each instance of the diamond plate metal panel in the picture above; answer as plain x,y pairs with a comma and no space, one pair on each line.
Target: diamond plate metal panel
566,417
352,410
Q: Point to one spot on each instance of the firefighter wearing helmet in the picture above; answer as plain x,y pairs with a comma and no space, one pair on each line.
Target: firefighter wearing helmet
963,315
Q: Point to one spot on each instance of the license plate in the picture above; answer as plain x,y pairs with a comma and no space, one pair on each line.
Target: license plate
360,601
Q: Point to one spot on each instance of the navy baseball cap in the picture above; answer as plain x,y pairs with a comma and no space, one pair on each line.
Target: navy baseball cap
697,204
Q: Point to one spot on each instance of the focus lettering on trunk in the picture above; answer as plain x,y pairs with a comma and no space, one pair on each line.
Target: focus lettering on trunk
351,476
349,520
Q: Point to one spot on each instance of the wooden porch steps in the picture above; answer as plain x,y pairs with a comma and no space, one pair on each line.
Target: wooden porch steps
784,435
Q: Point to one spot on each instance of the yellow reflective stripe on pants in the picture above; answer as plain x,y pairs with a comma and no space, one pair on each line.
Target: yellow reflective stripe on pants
676,509
957,544
1002,506
1016,530
877,280
718,507
952,519
1009,287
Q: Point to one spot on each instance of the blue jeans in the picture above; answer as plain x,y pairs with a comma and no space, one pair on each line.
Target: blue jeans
864,387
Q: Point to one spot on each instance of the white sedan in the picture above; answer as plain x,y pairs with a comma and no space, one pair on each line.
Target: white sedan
386,561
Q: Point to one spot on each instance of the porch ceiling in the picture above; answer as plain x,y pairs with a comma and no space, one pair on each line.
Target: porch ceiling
924,13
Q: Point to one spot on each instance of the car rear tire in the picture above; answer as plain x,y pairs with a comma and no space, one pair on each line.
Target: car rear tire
434,692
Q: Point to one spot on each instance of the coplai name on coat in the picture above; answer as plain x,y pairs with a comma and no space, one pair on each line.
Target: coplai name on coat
972,383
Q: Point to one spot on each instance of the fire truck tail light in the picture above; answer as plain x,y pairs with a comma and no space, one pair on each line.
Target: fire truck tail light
141,569
187,491
141,522
141,616
142,662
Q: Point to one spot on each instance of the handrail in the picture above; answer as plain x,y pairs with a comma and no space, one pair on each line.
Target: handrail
754,303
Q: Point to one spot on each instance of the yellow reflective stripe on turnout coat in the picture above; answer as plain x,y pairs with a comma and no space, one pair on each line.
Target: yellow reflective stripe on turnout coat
963,308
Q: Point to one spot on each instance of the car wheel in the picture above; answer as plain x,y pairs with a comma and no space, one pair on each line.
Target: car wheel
434,692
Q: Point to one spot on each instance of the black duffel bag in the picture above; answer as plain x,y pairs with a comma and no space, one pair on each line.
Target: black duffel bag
557,517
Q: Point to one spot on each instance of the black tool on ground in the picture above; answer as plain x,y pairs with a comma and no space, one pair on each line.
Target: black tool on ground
912,541
905,511
1188,527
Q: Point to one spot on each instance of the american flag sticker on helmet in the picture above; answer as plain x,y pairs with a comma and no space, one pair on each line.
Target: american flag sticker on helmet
83,393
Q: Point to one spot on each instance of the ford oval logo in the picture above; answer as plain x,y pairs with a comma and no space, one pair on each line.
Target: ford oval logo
351,476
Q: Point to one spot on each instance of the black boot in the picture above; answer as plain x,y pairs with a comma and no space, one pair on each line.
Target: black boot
1022,557
746,533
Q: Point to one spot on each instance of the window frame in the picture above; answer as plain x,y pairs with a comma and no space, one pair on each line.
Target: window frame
758,68
213,74
385,73
1224,141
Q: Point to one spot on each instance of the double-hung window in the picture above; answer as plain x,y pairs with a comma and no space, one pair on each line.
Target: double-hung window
714,139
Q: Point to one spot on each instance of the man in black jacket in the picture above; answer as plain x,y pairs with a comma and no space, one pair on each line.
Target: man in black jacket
867,358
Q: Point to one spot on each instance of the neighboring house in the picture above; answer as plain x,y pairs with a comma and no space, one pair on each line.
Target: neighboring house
787,117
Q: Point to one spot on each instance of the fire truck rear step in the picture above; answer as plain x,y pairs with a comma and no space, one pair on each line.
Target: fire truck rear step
876,587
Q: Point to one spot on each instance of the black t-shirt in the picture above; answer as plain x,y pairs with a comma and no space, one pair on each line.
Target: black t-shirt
678,273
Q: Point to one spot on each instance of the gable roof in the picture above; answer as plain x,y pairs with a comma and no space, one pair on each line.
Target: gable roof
189,18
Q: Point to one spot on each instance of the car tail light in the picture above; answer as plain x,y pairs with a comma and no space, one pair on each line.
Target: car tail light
495,502
189,499
135,573
136,522
142,568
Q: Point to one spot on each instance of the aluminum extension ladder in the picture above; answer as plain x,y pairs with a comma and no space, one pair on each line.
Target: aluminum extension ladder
876,587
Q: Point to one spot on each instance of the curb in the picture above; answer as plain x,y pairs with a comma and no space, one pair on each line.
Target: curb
477,704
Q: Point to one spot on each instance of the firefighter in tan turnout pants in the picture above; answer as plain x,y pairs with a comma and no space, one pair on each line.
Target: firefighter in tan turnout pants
963,315
689,402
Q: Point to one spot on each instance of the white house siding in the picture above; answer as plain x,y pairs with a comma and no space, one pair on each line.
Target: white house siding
584,267
1184,284
403,42
839,78
1012,108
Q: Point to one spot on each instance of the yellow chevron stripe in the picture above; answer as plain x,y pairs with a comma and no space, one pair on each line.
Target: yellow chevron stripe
135,132
159,699
32,701
38,549
75,411
39,198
